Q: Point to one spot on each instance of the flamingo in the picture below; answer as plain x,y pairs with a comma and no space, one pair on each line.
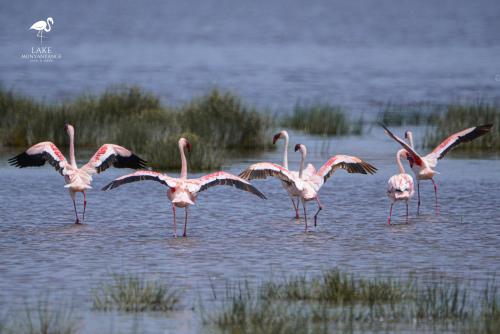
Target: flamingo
283,134
308,184
42,26
77,179
400,186
423,166
182,191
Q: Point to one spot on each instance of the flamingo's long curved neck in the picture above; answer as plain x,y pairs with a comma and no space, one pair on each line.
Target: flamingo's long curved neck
302,159
410,138
72,158
398,160
47,29
183,161
285,154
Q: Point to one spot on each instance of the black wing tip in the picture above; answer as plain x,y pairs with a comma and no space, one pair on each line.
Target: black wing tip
141,163
108,186
484,128
257,192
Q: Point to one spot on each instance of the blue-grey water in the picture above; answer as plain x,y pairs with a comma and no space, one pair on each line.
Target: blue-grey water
358,54
235,236
354,53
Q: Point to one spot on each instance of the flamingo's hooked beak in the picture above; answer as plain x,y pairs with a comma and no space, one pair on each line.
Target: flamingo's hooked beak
297,147
406,134
276,137
66,126
188,146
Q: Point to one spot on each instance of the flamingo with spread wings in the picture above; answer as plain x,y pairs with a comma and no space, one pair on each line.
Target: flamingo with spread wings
400,186
77,179
422,166
182,191
308,182
292,192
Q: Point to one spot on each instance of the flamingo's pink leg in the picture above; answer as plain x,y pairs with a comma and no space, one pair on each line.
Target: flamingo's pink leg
320,207
296,207
175,223
185,222
406,212
390,214
436,195
418,192
77,221
84,205
305,214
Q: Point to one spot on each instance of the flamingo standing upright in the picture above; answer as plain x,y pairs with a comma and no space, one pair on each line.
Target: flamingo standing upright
182,191
423,166
308,184
400,186
292,192
77,179
42,26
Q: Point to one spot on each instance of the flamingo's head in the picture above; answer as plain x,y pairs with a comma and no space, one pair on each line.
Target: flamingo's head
301,148
50,20
70,130
185,143
281,134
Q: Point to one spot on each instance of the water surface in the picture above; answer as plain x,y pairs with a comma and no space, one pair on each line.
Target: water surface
234,235
358,53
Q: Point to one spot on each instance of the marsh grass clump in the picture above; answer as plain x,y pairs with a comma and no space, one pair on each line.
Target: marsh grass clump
322,119
336,287
134,294
45,317
242,311
223,118
136,119
397,114
335,300
461,116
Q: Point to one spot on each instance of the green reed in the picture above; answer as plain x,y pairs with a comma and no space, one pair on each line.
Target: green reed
131,293
45,317
337,301
136,119
461,116
323,119
402,114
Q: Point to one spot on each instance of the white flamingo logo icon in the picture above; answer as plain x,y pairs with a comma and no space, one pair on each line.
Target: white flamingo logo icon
42,26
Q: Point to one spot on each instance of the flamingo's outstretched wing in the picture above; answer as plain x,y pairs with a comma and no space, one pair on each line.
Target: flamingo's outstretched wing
349,163
140,176
111,154
224,179
463,136
40,153
262,170
414,155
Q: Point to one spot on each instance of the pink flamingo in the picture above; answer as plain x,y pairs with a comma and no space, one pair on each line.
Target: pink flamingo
292,192
422,166
183,191
400,186
308,184
77,179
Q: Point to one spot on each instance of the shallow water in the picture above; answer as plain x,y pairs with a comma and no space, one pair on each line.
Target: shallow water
357,53
234,235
